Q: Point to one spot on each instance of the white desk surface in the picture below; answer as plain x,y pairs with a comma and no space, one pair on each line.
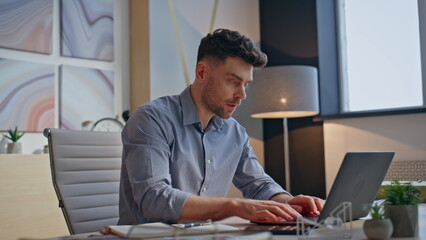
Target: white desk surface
357,232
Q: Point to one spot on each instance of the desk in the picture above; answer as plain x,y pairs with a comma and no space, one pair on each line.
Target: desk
357,232
28,203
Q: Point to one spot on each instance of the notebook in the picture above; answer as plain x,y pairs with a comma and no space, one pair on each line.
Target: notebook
358,180
159,230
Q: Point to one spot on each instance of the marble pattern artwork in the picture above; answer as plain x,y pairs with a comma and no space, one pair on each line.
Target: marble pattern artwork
26,25
87,29
27,95
86,94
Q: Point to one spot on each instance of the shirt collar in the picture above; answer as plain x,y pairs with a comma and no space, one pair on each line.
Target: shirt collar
217,122
190,114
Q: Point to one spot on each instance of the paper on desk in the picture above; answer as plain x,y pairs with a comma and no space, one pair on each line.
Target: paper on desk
154,230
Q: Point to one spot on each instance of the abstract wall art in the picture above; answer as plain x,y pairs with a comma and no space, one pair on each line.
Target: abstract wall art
27,95
26,25
85,94
87,29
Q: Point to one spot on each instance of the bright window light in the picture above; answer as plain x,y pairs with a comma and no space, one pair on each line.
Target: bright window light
380,54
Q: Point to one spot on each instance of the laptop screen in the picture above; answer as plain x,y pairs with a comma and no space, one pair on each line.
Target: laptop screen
358,180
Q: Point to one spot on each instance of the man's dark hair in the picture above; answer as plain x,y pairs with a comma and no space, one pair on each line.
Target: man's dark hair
223,43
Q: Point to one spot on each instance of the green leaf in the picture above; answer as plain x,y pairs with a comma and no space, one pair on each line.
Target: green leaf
401,193
377,211
14,135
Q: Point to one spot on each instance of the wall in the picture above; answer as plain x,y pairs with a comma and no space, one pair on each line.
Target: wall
139,54
193,21
34,142
404,134
289,37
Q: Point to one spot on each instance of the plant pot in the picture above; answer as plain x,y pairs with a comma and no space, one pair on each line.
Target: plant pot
378,228
14,147
405,220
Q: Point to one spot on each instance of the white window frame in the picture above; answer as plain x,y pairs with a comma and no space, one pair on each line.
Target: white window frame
340,21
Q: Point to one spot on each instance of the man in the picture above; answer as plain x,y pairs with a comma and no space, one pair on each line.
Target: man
181,153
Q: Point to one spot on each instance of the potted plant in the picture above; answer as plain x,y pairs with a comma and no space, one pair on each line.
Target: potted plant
46,148
402,209
14,136
378,227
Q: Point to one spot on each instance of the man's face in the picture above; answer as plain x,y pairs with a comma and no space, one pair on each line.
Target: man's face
226,85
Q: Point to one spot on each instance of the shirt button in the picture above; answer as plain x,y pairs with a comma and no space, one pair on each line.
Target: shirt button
209,161
204,189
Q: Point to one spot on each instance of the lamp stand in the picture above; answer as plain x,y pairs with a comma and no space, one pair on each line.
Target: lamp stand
286,156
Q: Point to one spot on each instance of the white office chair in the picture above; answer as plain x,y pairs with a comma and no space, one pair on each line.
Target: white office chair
85,169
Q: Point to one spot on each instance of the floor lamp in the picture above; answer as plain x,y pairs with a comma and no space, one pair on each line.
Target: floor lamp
285,92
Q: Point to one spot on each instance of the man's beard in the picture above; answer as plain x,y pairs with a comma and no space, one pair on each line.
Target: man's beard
211,102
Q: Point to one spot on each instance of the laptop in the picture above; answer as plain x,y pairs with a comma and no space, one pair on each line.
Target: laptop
358,180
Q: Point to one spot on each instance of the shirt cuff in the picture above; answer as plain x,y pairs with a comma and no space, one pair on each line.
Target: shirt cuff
266,195
179,200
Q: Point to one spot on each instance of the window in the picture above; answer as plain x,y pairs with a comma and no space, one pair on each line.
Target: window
380,55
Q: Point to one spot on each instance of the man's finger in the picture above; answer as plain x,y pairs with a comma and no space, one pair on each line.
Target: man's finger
291,211
294,212
319,203
298,208
312,207
266,215
280,212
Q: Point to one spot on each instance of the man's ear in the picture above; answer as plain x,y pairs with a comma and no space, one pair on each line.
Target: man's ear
200,71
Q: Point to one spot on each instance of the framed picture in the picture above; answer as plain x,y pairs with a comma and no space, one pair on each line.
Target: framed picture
87,29
27,95
26,25
87,94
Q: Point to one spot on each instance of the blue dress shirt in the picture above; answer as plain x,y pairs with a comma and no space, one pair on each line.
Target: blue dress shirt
167,156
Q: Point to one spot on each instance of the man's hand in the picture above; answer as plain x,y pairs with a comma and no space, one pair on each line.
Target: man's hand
283,207
216,208
257,210
303,204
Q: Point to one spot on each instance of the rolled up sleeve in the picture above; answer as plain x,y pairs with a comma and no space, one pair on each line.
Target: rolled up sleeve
147,192
251,179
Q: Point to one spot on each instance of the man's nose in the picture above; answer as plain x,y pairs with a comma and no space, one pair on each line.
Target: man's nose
241,93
